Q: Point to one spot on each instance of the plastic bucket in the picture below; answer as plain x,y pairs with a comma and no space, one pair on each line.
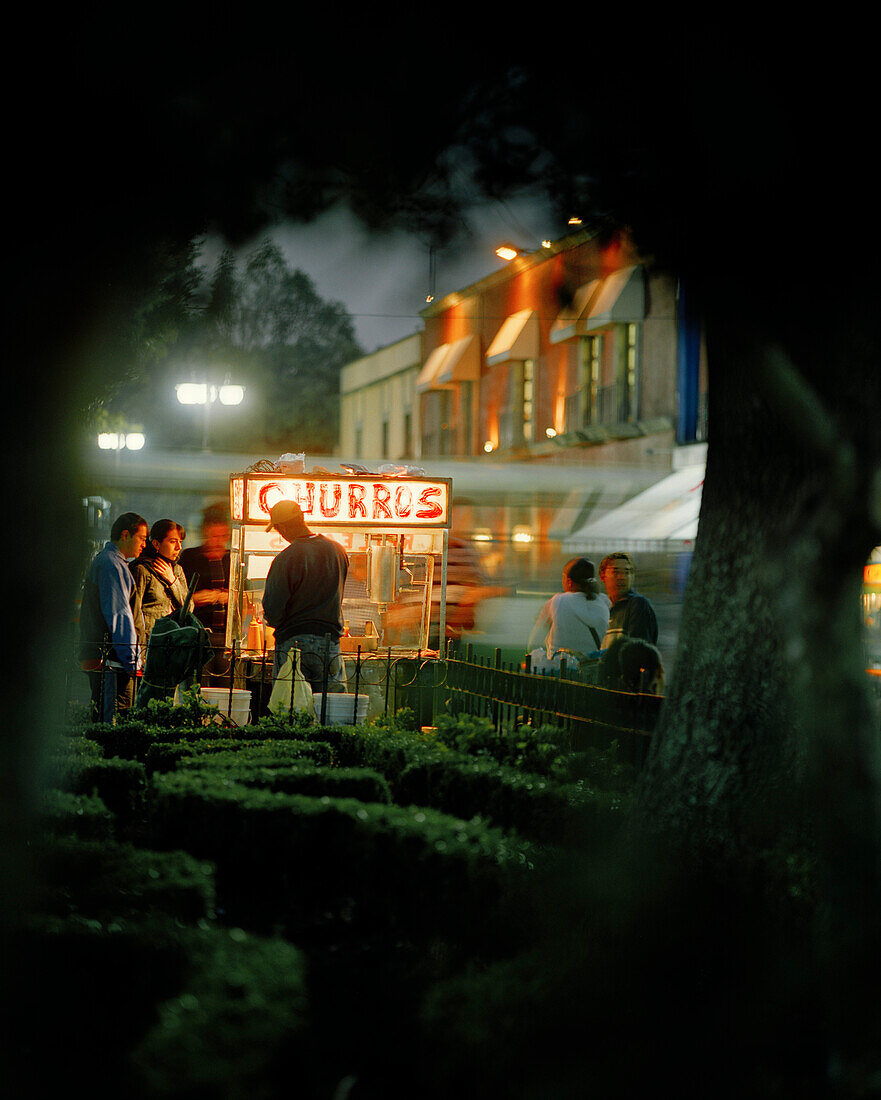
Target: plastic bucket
341,708
241,703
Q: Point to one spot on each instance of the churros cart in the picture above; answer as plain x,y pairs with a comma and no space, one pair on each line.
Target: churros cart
395,531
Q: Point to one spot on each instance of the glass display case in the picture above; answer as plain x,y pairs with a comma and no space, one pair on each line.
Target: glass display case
394,530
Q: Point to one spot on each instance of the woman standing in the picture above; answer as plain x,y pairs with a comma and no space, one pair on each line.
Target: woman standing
160,585
572,623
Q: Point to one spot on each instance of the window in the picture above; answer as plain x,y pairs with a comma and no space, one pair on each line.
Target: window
607,390
408,434
630,369
528,400
583,406
517,418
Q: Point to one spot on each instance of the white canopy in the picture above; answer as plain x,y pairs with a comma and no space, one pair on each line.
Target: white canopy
661,517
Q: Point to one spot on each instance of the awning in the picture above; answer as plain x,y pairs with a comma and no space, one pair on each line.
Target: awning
602,490
462,361
428,374
566,324
458,361
617,299
661,517
518,338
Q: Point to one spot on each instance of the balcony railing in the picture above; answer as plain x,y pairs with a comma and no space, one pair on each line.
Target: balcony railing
605,405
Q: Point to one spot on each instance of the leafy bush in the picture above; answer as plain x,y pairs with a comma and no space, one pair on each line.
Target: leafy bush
533,805
119,783
541,749
107,881
238,1026
151,1008
166,756
278,773
307,861
61,813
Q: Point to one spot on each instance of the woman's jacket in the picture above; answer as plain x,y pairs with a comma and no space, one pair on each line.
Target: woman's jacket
152,598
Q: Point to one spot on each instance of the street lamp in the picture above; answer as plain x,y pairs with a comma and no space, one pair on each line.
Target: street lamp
201,393
121,441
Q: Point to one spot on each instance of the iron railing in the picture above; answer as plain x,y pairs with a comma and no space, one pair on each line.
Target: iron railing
511,696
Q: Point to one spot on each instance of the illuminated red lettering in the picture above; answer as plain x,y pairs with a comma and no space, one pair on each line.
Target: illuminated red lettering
430,508
263,496
356,501
306,499
330,510
381,498
403,501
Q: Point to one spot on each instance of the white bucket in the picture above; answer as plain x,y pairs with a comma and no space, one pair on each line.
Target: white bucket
241,702
341,707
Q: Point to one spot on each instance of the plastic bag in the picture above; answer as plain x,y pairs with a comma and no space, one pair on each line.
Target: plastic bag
291,690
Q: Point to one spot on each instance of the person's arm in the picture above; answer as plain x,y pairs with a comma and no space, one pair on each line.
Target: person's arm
113,593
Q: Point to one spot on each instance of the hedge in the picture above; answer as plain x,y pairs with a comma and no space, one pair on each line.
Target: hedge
106,880
61,813
163,756
311,862
278,773
150,1008
119,783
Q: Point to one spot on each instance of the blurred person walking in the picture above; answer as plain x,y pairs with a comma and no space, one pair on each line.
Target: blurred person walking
210,560
632,614
160,586
106,619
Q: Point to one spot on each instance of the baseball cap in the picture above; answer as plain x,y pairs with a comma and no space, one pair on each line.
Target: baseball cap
283,512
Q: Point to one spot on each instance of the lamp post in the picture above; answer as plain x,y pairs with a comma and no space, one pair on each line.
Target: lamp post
204,394
121,441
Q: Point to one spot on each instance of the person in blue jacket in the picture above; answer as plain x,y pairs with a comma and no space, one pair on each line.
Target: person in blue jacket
109,651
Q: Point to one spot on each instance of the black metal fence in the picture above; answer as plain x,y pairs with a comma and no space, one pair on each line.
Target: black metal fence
510,696
513,697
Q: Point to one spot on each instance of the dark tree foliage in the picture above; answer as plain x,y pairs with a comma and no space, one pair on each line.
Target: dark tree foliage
258,323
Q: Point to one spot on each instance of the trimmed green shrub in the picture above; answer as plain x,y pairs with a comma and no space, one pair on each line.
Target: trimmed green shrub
133,740
237,1028
150,1008
164,756
533,805
278,773
542,749
107,881
603,768
313,861
119,783
61,813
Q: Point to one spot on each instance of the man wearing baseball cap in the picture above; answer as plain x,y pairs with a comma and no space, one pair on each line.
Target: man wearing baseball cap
303,598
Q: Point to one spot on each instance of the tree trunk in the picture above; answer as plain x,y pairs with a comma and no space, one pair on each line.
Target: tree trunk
768,739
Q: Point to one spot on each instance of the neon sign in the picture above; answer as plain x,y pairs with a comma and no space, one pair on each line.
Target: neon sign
345,501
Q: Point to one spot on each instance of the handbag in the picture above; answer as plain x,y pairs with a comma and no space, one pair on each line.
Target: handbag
291,690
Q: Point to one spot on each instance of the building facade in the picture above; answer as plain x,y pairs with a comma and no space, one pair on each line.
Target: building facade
379,405
578,356
567,349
